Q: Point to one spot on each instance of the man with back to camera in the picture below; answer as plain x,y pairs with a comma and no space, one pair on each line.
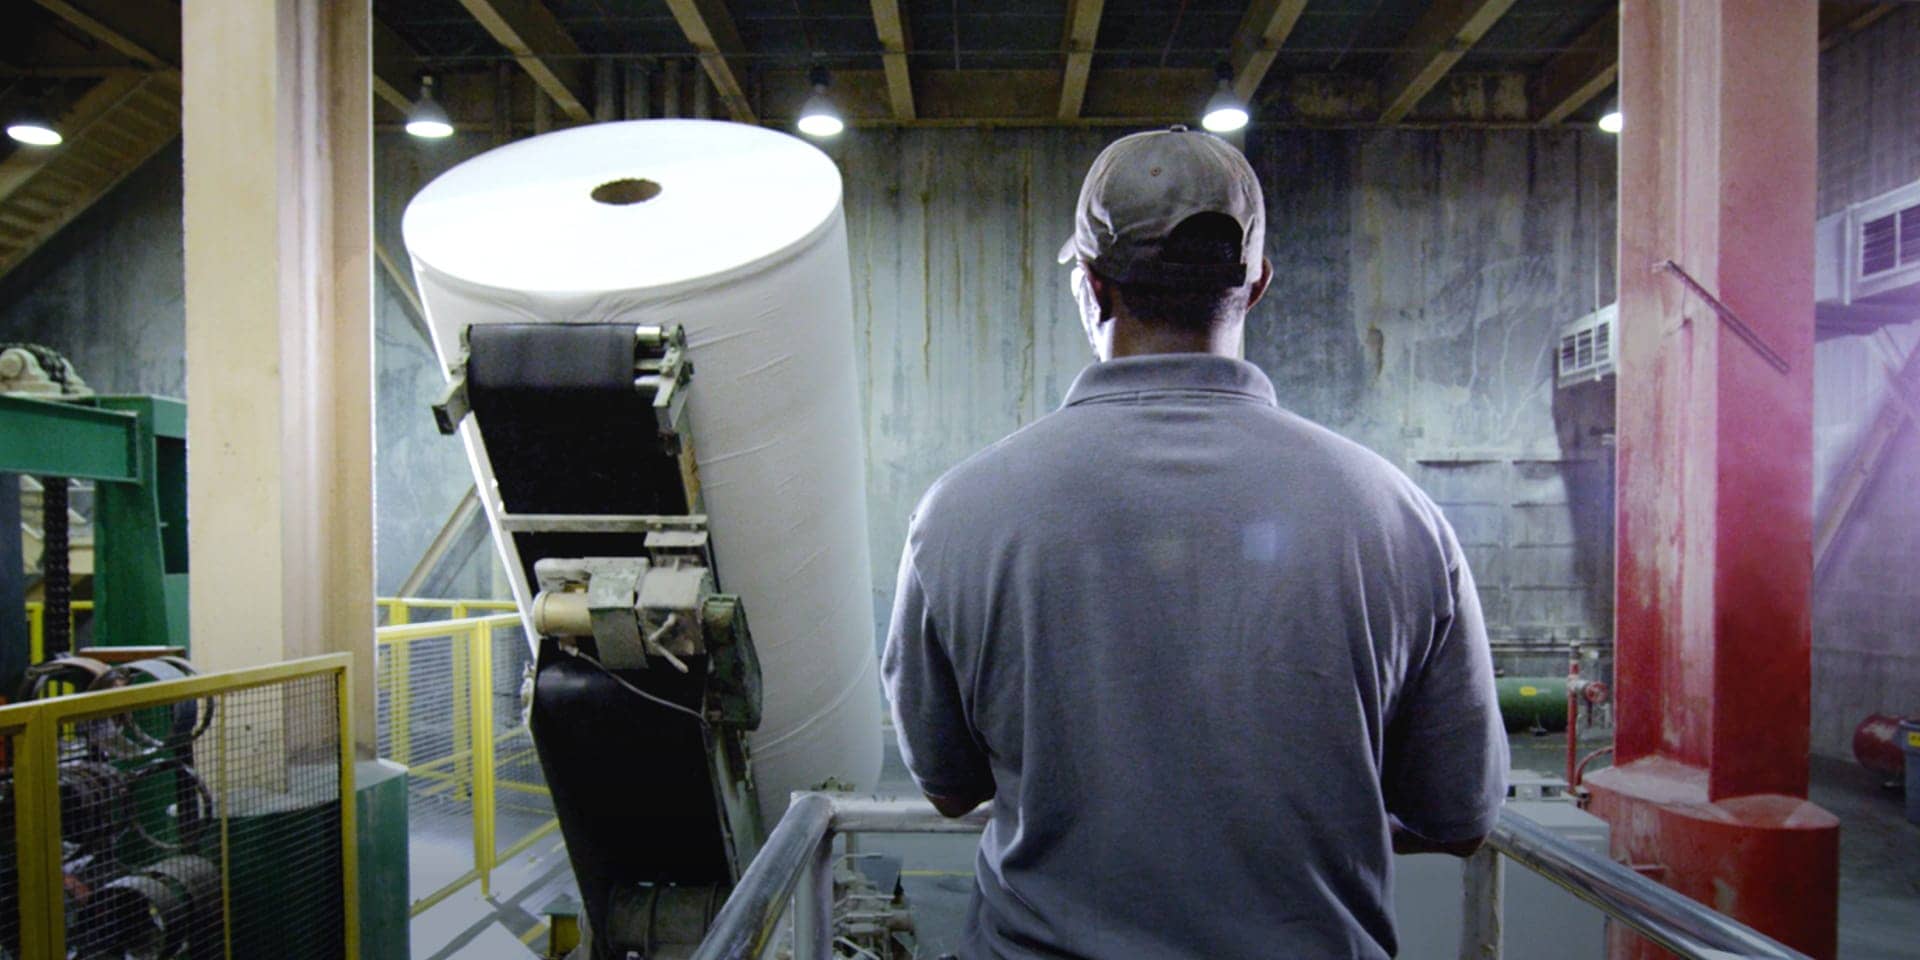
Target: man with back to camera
1208,660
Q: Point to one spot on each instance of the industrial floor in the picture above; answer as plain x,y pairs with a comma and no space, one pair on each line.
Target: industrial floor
468,924
1879,872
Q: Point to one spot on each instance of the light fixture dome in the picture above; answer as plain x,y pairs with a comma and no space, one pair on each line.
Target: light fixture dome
1225,111
1612,121
34,129
818,116
427,119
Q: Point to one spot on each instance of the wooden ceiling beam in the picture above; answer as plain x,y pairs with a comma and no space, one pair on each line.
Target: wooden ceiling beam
542,47
1838,21
109,132
1257,42
1437,41
1083,28
144,31
894,45
395,69
86,112
709,27
1579,73
1138,97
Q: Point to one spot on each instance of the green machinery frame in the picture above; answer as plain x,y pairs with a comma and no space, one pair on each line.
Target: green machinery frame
134,449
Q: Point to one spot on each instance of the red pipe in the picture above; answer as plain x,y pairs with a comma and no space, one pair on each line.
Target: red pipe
1573,735
1581,770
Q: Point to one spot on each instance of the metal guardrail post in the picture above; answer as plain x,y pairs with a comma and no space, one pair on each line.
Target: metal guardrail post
1482,905
1661,914
480,700
36,632
37,625
813,904
796,862
400,700
746,924
459,654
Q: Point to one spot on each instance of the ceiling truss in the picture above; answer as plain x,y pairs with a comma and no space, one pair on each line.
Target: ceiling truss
131,109
892,30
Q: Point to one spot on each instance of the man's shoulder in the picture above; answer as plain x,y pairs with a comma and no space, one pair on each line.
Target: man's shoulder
1029,463
995,471
1358,466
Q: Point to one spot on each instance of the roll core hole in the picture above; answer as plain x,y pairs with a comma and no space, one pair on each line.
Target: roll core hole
625,191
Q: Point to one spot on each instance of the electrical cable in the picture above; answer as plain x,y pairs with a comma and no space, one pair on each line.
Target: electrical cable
636,691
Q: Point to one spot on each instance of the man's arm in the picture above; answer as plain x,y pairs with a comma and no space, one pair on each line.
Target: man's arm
1445,775
956,807
1406,841
937,742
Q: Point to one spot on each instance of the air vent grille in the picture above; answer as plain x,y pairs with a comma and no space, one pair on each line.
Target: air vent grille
1910,235
1879,245
1867,263
1586,348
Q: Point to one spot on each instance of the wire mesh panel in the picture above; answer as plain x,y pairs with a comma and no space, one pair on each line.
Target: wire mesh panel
207,826
454,680
278,793
425,714
523,807
10,904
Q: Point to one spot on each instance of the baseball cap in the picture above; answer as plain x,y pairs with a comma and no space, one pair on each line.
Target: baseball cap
1145,187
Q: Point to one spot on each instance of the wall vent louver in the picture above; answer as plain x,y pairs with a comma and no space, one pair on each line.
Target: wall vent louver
1910,235
1586,347
1879,246
1866,264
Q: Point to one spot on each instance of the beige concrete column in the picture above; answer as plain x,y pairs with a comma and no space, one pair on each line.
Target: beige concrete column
278,143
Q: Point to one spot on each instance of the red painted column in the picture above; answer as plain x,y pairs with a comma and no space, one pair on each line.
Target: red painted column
1714,564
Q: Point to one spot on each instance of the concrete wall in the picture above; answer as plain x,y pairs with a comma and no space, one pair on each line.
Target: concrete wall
1420,278
1420,281
1866,610
109,290
421,474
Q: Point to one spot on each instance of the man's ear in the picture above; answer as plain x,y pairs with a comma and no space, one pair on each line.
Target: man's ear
1103,293
1260,286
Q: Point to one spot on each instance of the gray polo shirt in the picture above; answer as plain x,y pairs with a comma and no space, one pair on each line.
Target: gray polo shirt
1199,649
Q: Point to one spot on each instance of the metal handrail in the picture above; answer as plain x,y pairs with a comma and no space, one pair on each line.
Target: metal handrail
795,866
1669,918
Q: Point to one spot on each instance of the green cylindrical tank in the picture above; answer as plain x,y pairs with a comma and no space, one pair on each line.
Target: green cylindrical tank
1533,702
284,881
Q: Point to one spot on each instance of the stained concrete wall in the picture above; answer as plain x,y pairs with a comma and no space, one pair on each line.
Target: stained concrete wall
109,291
421,474
1420,283
1420,280
1866,610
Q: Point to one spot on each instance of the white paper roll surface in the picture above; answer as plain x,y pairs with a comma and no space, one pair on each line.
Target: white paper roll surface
745,246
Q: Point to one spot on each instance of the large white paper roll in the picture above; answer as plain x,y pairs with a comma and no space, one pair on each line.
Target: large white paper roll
741,239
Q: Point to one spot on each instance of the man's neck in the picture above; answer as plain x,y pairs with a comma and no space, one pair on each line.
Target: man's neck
1132,338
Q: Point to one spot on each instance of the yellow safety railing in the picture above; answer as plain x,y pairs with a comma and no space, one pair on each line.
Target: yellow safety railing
465,773
46,736
37,625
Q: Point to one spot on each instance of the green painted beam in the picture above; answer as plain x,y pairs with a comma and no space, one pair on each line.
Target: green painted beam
140,533
55,439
